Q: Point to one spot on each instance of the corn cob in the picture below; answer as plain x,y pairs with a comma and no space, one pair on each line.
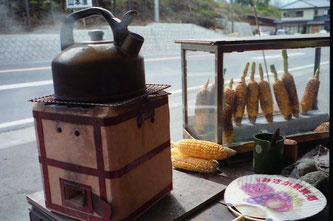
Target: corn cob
252,96
201,112
181,161
228,135
212,94
323,127
289,84
175,151
230,96
281,95
241,91
265,97
204,149
310,93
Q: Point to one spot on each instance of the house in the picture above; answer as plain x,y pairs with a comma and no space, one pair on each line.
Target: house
305,16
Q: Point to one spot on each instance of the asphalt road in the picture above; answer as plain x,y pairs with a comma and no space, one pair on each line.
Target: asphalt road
19,82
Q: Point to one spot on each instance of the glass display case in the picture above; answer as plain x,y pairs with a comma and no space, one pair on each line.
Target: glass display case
295,108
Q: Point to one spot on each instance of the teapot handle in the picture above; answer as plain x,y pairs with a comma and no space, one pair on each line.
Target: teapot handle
119,27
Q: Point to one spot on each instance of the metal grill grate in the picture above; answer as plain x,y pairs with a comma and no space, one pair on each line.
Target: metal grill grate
150,90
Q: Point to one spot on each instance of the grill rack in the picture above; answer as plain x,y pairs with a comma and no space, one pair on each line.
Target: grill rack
151,89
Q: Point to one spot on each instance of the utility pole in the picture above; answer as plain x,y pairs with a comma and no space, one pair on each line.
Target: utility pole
232,16
156,11
114,7
27,8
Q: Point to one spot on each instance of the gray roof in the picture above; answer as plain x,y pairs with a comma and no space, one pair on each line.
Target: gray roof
306,4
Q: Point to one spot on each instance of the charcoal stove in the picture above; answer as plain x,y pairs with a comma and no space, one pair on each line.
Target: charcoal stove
103,138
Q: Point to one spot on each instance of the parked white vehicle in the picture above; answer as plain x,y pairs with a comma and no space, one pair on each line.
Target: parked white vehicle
280,32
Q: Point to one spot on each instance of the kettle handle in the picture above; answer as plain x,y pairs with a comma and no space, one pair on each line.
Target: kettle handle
119,27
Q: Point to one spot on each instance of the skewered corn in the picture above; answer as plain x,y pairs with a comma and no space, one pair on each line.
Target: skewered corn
281,95
181,161
252,96
289,84
241,91
310,93
201,110
230,95
204,149
228,129
265,97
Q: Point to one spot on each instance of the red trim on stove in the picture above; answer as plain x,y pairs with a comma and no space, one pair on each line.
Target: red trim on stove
140,210
42,150
147,156
69,166
100,162
95,120
106,174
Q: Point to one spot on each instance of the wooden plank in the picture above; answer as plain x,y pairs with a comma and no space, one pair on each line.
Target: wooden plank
216,212
191,192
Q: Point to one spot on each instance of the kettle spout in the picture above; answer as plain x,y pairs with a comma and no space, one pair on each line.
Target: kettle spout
132,44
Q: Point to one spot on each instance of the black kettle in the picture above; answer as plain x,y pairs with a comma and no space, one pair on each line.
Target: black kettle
99,70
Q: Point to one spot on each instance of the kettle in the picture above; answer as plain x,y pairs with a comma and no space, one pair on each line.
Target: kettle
99,70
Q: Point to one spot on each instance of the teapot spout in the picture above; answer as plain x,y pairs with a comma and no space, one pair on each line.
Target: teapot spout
132,44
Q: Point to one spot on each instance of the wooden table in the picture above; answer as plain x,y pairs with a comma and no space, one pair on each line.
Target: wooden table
210,210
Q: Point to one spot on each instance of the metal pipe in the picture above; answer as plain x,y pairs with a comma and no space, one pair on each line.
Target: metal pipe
219,81
316,65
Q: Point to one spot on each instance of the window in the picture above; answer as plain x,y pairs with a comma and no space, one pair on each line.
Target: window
293,14
316,12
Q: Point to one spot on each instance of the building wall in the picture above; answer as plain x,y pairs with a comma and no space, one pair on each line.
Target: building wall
322,11
308,14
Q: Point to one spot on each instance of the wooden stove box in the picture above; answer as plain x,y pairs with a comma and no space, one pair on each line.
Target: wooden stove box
104,163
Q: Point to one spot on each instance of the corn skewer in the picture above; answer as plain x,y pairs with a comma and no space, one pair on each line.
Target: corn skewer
228,129
252,96
230,95
265,97
289,84
201,111
310,93
281,95
241,91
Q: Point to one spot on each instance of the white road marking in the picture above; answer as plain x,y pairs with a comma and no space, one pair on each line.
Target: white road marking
15,123
146,60
173,93
25,69
17,137
27,84
277,56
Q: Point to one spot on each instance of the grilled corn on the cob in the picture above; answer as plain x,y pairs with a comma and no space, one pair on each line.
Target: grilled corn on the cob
181,161
281,95
204,149
310,93
289,84
252,96
241,91
230,95
228,129
201,109
265,97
